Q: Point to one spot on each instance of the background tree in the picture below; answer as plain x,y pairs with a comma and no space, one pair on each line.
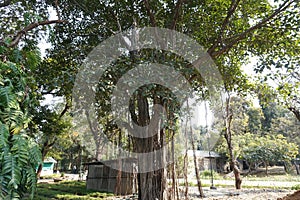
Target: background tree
228,29
46,127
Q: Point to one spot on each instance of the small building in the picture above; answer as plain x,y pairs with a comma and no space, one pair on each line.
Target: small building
205,160
103,176
48,166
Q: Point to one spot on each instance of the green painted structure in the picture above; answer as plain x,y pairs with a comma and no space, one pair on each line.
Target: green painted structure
48,166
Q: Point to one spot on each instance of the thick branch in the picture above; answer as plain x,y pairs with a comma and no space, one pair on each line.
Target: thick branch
149,12
295,111
31,26
93,129
176,13
66,108
5,3
236,38
230,12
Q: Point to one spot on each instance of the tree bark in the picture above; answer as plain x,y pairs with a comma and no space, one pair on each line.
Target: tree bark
228,137
185,171
197,170
151,183
266,165
297,168
296,112
237,174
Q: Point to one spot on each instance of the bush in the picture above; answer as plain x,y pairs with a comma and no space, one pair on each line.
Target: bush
207,174
296,187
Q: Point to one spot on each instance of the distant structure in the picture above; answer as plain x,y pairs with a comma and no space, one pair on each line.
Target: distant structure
203,160
48,166
103,178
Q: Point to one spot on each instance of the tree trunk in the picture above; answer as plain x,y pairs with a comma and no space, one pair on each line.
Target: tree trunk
228,137
173,194
237,175
151,177
185,171
39,170
266,166
195,161
297,168
151,183
197,172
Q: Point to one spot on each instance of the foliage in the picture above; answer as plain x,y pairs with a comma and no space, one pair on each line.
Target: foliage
19,154
269,148
231,31
296,187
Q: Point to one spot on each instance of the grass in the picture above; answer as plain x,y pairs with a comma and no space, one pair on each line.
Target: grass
67,190
75,190
275,174
287,178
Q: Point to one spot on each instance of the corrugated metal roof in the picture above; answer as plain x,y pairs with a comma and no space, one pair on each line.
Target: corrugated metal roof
50,160
203,154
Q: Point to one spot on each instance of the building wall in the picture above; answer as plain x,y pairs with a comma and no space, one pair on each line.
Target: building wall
47,169
203,164
103,178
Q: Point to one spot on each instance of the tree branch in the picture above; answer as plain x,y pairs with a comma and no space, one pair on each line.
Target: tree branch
295,111
230,12
66,108
31,26
176,13
236,38
57,9
5,3
151,15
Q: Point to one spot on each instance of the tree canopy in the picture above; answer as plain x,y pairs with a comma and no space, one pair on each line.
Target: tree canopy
231,31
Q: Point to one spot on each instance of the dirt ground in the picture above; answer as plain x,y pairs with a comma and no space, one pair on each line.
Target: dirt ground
232,194
243,194
294,196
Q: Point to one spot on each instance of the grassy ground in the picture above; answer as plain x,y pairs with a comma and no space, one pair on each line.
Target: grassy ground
67,190
74,190
275,173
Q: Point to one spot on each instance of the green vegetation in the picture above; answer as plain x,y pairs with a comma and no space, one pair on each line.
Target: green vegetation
19,154
207,174
296,187
67,190
254,149
232,31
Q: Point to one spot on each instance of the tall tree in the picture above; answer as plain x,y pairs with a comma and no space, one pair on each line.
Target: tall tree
228,29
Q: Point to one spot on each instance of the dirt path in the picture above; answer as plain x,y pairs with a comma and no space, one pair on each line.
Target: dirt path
229,194
243,194
275,184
